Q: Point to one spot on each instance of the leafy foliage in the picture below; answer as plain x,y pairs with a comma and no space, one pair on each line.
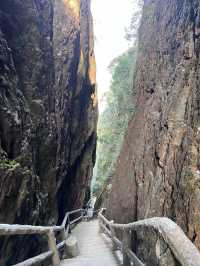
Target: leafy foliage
10,164
114,120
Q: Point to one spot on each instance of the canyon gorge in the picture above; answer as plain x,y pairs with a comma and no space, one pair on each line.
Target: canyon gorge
49,113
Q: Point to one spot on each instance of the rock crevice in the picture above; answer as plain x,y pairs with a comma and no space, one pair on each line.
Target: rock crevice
47,113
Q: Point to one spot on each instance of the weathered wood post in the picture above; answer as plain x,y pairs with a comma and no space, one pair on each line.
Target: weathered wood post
126,245
63,238
100,222
62,234
82,213
113,235
53,248
69,230
100,227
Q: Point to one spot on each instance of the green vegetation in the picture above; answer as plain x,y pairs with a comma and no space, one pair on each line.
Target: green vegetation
149,13
10,164
114,120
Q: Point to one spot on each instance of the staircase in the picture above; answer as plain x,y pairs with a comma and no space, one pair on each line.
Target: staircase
99,242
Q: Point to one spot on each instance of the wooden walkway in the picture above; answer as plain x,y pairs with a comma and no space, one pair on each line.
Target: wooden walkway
95,248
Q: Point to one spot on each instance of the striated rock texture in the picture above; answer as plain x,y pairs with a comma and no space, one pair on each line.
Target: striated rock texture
158,172
48,113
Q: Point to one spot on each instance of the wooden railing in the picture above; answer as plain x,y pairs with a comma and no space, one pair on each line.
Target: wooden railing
181,247
49,231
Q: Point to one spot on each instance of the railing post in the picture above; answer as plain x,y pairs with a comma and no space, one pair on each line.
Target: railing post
68,219
63,238
62,233
83,214
53,248
101,222
126,245
100,228
113,234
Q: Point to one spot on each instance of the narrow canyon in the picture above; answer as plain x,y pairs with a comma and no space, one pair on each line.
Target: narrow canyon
49,115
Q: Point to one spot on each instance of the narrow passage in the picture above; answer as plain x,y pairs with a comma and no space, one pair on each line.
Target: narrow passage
95,248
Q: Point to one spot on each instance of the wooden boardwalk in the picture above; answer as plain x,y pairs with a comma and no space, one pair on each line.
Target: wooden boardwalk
95,248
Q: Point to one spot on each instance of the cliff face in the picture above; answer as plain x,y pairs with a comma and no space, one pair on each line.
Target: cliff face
48,111
158,171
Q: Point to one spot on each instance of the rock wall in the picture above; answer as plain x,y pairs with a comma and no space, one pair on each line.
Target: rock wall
158,170
48,112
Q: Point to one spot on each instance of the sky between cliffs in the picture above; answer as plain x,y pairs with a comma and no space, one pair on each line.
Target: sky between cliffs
110,19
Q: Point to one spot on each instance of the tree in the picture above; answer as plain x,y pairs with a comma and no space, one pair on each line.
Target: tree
114,120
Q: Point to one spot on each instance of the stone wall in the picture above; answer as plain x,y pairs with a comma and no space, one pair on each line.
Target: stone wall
48,113
158,170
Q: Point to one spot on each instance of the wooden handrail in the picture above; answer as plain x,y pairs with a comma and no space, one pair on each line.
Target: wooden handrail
36,260
7,230
182,248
